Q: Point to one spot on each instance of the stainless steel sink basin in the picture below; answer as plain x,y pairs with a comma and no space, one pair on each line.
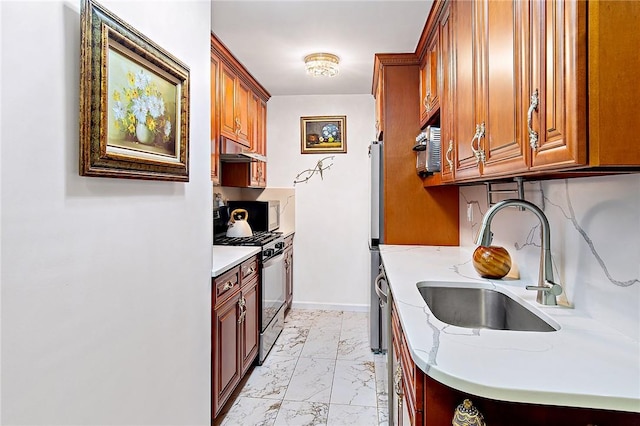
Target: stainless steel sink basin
475,307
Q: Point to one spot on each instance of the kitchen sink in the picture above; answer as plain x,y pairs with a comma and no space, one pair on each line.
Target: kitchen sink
476,307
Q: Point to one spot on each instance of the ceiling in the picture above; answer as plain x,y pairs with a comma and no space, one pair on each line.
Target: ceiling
271,39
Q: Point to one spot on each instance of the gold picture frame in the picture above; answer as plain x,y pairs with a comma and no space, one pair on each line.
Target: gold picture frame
134,102
323,134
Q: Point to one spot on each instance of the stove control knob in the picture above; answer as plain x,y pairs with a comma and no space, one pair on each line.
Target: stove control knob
280,245
268,252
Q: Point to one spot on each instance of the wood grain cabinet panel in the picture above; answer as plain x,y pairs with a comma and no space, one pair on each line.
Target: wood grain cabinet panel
226,369
558,84
249,324
234,330
243,107
533,88
465,90
413,215
215,121
446,96
429,77
501,29
228,123
240,105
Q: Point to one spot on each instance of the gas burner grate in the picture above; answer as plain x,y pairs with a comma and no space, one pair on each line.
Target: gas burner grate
258,239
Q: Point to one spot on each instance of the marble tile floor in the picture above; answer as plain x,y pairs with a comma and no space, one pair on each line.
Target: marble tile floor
321,371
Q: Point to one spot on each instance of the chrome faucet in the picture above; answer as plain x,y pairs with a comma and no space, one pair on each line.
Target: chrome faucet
546,288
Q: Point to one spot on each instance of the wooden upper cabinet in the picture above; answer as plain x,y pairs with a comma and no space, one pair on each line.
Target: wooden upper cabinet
429,77
215,122
406,202
243,106
465,90
228,123
235,104
446,96
501,30
535,87
558,86
379,96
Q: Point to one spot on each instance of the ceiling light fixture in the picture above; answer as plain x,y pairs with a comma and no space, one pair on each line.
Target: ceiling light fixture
321,64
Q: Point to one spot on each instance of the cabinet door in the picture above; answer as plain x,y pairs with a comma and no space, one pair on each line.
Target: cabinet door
429,76
215,122
501,30
228,124
249,324
380,105
226,369
446,96
465,89
254,119
243,107
558,79
258,176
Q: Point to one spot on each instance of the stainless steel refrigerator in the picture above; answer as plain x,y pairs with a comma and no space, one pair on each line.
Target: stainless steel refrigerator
378,327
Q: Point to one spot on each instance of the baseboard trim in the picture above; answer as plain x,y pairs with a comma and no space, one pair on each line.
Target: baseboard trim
330,306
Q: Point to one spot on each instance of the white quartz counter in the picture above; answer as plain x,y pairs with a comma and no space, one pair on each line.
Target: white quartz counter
583,364
226,257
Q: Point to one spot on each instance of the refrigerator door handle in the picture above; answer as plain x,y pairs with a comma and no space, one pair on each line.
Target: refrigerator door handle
382,296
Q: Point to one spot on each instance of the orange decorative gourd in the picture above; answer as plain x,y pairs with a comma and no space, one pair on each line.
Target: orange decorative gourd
491,262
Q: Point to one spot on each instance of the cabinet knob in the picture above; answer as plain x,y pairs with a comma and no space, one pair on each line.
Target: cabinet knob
533,106
227,286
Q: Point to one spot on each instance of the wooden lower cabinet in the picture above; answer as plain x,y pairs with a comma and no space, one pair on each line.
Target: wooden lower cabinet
421,400
249,325
234,331
225,347
288,270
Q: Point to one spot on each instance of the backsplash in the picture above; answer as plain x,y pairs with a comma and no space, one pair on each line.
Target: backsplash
286,196
595,241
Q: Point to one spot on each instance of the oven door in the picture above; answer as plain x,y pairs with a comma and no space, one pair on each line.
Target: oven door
273,288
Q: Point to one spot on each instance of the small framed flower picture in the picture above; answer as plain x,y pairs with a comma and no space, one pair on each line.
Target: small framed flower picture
134,103
323,135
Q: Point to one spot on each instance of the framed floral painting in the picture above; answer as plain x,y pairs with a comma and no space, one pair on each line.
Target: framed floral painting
323,135
134,102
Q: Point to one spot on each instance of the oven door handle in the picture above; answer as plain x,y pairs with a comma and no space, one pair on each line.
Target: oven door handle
276,259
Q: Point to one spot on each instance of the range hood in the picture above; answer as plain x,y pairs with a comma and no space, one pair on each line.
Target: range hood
233,152
242,157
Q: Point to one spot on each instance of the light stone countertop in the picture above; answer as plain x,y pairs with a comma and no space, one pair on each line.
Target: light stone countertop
226,257
583,364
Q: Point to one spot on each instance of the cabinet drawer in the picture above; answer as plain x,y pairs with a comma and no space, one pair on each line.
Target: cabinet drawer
225,285
248,270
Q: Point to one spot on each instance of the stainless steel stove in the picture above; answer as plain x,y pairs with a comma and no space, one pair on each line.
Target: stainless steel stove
272,277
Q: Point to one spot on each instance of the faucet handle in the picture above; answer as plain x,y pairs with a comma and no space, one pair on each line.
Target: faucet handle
549,287
550,290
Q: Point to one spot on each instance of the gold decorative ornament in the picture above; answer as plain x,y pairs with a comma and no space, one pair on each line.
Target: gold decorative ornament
467,415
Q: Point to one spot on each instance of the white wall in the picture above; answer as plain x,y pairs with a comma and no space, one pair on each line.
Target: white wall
331,257
105,282
595,241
